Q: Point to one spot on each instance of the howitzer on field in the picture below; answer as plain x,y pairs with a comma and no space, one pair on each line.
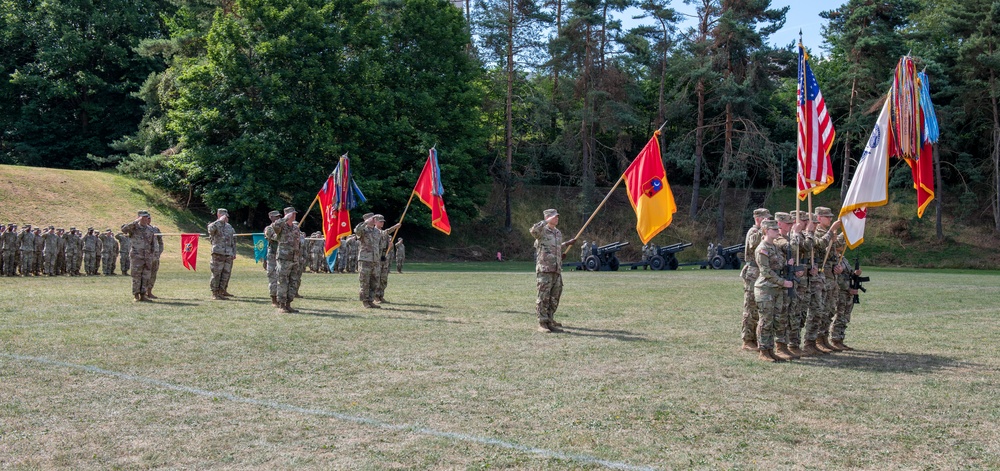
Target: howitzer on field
663,258
726,257
857,280
600,258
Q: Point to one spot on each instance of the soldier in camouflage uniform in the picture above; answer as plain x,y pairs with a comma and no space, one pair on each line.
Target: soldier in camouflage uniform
845,305
400,255
60,268
370,258
109,252
72,252
767,288
300,267
50,251
353,256
834,242
385,250
142,252
223,240
154,265
38,261
91,249
8,249
799,247
783,314
26,250
123,250
271,261
548,269
287,258
749,275
317,256
3,232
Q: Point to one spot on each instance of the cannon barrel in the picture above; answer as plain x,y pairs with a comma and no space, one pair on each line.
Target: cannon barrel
732,249
674,248
614,246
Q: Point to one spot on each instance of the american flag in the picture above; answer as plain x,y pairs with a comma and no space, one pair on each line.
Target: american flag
815,133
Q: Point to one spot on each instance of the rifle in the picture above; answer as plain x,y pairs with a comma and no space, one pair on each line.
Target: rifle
789,274
857,280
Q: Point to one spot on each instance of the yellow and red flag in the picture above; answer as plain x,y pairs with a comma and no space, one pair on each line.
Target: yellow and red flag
649,192
189,250
431,192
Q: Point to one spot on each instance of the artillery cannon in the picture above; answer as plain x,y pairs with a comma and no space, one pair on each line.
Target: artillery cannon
660,257
721,258
599,258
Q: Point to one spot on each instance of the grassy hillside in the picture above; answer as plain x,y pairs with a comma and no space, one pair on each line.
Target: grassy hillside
895,236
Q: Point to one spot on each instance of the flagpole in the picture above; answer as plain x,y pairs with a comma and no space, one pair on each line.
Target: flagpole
307,211
596,210
812,250
798,141
399,224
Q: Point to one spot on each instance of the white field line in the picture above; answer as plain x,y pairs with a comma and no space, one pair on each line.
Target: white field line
336,415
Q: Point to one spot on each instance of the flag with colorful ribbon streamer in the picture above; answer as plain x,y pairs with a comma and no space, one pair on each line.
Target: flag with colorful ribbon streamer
338,196
430,192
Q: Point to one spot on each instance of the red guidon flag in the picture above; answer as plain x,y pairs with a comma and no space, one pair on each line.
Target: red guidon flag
189,250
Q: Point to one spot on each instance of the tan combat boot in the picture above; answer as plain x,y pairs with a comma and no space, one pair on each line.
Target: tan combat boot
227,294
289,308
823,348
782,352
138,298
809,349
149,295
750,345
827,344
795,350
217,296
766,355
274,301
838,343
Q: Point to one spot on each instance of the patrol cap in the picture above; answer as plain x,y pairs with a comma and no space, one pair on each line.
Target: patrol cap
769,224
143,213
367,216
289,210
90,228
107,230
761,213
222,211
72,228
823,211
276,214
379,217
783,217
27,226
52,227
549,213
803,215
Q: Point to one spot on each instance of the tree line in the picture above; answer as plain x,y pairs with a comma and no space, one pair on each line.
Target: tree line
247,104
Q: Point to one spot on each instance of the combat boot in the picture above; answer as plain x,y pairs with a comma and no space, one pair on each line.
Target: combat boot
750,345
826,343
138,298
840,344
767,355
227,294
809,349
781,351
823,349
274,301
289,308
795,350
149,295
556,324
217,296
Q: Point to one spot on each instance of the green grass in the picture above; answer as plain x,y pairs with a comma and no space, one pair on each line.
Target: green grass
649,374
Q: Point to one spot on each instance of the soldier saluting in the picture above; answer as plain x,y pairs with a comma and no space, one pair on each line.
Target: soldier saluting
142,253
223,239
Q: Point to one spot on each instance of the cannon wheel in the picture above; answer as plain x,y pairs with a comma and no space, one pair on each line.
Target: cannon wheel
613,264
591,263
656,262
672,263
718,262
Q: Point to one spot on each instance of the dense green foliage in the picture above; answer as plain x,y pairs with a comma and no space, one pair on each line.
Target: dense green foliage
248,103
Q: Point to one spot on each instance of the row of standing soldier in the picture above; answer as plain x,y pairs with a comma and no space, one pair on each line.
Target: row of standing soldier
781,299
56,252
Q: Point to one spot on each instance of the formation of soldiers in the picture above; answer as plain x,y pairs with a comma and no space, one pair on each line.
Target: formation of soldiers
51,251
797,293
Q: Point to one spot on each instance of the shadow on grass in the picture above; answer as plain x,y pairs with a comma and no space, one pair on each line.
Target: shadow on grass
329,314
167,302
623,335
885,362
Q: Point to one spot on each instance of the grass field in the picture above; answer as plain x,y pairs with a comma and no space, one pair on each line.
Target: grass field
452,375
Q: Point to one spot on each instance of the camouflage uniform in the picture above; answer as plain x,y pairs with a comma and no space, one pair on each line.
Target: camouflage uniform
368,237
8,250
3,232
271,262
223,239
26,244
799,246
353,256
845,304
154,264
548,270
91,249
60,268
142,252
287,258
400,255
50,251
109,252
38,260
74,248
300,267
767,288
123,249
385,254
316,251
749,275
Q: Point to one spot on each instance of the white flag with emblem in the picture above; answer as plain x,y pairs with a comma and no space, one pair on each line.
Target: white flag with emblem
870,185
